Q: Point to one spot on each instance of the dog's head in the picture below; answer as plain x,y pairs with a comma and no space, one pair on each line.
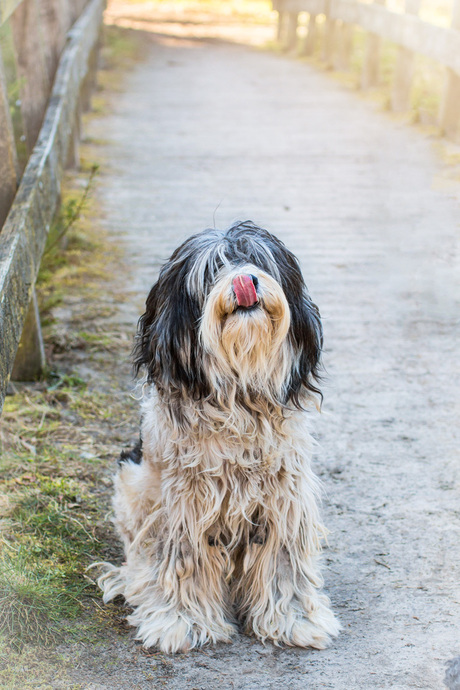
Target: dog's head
230,311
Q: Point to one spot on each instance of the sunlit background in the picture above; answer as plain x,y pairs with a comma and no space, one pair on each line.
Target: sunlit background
255,22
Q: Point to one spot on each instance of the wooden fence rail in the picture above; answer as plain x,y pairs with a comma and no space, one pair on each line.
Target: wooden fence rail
406,30
50,65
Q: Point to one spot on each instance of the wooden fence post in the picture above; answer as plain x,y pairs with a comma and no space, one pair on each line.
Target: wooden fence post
449,119
75,8
30,357
24,232
32,72
90,80
404,70
329,37
35,84
309,45
55,21
8,159
370,75
344,41
10,71
281,23
280,26
290,42
73,152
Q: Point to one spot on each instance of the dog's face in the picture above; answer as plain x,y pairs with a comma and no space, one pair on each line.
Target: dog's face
231,312
244,329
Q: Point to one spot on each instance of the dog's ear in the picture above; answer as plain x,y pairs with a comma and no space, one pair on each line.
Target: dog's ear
305,333
306,336
167,336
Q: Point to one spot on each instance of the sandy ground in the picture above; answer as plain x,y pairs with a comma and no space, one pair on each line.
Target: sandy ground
209,132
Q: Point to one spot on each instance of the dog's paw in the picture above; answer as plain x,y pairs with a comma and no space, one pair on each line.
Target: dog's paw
295,628
316,629
173,632
304,633
112,582
168,634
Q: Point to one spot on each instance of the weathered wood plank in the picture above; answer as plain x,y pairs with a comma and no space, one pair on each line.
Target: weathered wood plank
408,31
7,8
24,234
8,162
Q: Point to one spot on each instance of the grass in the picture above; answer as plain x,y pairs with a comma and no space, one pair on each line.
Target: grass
57,437
21,670
60,436
33,601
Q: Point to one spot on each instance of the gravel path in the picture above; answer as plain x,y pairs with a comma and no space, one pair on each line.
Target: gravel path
210,132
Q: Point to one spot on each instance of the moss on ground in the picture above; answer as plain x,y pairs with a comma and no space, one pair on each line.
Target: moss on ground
60,436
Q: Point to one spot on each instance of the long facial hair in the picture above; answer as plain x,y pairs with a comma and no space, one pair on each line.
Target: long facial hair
247,349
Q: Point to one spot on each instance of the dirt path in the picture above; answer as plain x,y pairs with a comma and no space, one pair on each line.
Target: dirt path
208,129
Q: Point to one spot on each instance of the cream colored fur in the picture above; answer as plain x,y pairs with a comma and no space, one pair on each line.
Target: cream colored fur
220,520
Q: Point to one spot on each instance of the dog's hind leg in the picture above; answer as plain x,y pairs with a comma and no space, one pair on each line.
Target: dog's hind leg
137,494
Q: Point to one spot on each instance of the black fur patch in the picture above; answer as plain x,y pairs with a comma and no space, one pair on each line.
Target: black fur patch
134,455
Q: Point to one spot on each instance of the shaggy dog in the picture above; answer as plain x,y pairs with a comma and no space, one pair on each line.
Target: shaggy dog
217,504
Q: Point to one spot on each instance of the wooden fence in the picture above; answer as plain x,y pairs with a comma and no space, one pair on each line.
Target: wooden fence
48,52
406,30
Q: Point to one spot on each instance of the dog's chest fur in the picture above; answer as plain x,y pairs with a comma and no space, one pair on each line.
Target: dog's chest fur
237,467
255,438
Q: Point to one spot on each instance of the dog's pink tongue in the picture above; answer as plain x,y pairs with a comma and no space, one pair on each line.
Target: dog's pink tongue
245,291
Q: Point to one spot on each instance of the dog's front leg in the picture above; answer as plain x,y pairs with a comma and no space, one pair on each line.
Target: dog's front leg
277,592
176,570
179,593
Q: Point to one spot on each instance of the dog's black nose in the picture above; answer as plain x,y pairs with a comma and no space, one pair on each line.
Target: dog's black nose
255,280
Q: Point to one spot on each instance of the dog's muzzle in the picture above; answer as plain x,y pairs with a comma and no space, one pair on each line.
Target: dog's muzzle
245,289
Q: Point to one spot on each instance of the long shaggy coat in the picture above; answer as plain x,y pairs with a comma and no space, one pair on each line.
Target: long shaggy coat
217,505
